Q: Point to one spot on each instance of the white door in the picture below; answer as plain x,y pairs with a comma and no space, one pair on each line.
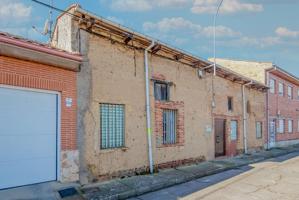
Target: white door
28,137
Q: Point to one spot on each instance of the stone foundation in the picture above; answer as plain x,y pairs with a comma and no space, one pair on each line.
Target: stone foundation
69,166
145,169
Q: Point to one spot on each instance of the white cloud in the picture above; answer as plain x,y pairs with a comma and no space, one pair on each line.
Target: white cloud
285,32
131,5
221,31
14,11
170,3
16,18
180,25
228,6
246,41
145,5
172,24
115,19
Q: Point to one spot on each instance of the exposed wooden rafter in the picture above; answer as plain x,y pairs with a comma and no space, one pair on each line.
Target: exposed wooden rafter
156,48
178,56
123,35
128,38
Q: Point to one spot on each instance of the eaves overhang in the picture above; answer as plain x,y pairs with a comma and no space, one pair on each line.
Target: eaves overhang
283,74
16,47
118,33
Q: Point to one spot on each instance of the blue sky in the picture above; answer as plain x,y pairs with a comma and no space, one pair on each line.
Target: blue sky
261,30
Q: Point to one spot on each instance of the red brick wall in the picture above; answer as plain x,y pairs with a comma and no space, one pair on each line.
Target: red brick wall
172,105
27,74
287,107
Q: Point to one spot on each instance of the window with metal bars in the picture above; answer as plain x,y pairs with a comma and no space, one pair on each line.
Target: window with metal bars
112,126
169,126
259,130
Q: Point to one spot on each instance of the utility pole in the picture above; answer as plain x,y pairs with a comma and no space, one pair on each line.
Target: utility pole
215,18
50,21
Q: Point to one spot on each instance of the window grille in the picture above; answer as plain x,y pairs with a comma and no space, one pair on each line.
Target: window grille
112,126
259,129
169,126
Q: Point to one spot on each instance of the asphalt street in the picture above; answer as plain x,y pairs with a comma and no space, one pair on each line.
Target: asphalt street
274,179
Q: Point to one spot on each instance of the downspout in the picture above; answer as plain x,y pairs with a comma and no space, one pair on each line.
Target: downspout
245,117
148,109
268,112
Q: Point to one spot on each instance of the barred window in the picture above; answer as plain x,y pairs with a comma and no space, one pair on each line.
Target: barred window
169,126
112,130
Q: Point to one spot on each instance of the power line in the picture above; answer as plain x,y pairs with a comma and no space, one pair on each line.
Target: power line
55,8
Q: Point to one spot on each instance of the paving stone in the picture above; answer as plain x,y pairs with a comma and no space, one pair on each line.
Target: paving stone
144,184
174,176
108,191
186,188
201,169
160,195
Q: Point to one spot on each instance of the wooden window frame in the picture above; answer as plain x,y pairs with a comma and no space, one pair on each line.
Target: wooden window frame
167,90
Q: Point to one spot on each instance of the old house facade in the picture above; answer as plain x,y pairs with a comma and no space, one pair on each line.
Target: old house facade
282,99
116,134
38,96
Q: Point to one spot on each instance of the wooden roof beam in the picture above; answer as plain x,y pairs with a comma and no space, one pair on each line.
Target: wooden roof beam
156,48
178,57
128,38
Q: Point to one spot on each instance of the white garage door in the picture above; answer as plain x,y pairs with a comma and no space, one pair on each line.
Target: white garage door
28,137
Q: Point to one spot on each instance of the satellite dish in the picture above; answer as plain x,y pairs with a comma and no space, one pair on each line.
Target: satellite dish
46,27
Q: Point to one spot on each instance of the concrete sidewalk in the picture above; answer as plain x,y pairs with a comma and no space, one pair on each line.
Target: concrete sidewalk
138,185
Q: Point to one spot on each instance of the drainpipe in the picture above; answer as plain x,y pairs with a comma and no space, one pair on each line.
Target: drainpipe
268,113
148,109
245,117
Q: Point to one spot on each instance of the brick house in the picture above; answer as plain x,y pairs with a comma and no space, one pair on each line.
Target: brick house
38,113
282,99
143,104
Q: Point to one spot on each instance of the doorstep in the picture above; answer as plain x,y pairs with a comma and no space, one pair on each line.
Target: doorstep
137,185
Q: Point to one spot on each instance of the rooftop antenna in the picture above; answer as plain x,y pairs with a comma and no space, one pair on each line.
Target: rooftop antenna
47,31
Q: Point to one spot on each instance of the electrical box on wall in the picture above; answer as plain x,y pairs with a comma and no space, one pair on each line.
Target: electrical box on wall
68,102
